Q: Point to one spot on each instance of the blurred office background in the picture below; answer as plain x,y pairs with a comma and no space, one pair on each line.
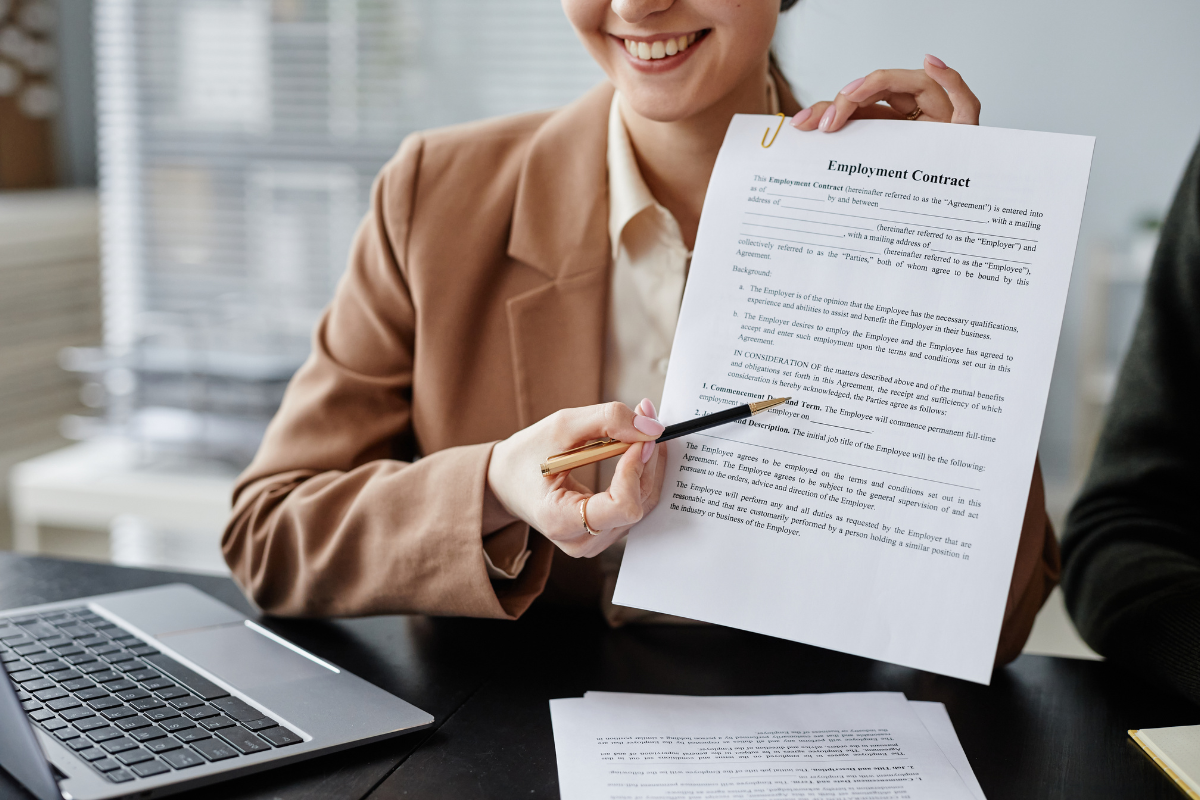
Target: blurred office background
148,326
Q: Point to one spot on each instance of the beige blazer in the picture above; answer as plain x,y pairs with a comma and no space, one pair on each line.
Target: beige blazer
473,305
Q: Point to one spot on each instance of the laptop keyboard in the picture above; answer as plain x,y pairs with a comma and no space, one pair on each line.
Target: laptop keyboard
126,709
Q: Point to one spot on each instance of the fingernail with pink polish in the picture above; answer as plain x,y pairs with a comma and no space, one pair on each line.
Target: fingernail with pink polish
648,426
852,85
827,118
650,409
801,117
647,451
937,62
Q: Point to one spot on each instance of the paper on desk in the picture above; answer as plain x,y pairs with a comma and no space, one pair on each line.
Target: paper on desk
937,721
905,285
797,747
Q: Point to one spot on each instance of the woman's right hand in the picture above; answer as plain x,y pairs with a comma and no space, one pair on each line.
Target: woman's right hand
551,504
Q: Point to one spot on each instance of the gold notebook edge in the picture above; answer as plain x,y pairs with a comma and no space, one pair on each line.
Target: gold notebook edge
1158,762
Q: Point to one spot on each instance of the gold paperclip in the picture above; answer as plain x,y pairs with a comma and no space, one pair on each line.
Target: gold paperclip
765,143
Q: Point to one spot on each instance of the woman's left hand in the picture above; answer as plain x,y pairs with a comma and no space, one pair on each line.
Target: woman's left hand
933,94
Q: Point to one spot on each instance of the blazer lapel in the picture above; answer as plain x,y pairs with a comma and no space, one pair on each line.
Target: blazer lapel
560,228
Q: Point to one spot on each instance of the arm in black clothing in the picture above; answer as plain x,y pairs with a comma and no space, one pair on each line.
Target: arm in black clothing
1132,545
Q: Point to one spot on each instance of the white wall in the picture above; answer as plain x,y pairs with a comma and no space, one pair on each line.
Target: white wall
1124,72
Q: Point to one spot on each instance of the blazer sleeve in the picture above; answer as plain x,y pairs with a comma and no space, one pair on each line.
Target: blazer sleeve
1035,572
326,521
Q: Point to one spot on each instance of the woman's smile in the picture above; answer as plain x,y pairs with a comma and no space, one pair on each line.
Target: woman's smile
648,50
659,51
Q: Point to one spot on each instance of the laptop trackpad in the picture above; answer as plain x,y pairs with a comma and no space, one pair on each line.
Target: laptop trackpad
242,657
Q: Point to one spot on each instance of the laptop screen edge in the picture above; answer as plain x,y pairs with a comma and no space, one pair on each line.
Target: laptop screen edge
20,753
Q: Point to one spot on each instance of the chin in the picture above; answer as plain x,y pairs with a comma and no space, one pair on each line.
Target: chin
665,107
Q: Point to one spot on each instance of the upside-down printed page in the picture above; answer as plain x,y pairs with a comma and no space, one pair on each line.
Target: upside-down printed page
612,746
904,284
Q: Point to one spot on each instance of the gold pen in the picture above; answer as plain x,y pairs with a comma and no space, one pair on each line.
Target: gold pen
601,449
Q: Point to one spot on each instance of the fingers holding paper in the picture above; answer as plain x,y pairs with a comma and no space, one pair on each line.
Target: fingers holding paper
935,93
965,106
553,505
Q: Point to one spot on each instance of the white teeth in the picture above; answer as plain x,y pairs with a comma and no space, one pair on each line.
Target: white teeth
648,51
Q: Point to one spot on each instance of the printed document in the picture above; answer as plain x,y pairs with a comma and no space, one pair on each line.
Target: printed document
904,284
867,744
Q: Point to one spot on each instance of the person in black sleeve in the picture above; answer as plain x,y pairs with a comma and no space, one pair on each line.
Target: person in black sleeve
1132,543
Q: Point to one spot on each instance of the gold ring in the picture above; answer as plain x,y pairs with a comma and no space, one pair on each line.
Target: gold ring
916,112
583,516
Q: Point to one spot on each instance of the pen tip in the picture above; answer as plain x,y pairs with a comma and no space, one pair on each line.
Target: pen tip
763,405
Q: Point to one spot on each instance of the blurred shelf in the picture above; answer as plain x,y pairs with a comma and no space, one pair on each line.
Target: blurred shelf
105,485
49,267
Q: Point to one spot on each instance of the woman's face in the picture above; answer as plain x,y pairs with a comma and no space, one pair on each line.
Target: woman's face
672,59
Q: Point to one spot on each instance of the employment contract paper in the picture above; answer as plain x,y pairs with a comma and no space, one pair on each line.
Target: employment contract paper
904,284
792,747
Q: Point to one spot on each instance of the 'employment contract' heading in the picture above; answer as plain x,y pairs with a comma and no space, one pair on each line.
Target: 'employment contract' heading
903,174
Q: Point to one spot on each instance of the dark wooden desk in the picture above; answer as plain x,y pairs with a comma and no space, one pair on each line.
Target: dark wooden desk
1046,727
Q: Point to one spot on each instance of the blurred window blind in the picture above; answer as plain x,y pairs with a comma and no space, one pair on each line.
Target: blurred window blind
238,141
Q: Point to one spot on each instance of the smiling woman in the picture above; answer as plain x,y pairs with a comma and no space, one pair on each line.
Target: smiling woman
513,293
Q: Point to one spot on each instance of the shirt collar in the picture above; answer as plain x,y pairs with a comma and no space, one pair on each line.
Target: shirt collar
628,194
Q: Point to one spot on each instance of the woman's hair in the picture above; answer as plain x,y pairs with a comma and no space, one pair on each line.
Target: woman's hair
784,5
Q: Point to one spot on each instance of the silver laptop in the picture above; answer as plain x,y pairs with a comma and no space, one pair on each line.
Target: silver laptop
154,691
